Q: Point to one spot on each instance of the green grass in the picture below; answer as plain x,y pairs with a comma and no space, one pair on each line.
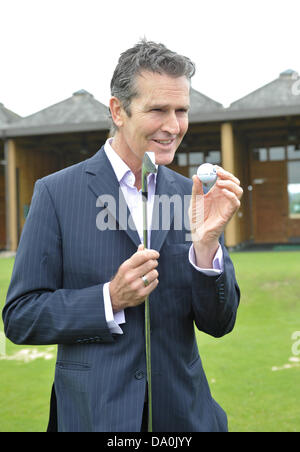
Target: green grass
238,366
25,387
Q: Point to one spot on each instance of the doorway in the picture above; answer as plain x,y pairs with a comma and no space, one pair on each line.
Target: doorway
270,201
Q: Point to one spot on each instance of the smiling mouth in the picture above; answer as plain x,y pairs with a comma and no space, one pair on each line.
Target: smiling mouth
164,142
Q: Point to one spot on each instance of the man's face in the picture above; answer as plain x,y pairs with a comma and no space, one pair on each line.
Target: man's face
158,119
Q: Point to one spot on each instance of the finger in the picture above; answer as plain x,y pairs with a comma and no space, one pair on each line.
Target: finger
144,269
232,197
145,291
231,186
142,256
150,277
223,174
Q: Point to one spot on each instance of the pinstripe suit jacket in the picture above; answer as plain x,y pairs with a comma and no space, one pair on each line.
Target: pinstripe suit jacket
56,297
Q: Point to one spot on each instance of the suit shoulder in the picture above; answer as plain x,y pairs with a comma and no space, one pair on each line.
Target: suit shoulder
183,181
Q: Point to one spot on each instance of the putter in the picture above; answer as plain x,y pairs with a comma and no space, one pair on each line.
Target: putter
148,167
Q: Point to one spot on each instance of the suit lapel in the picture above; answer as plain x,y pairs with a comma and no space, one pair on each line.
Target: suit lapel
103,182
165,185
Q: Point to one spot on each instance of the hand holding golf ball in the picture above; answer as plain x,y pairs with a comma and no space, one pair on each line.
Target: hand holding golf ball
207,173
210,211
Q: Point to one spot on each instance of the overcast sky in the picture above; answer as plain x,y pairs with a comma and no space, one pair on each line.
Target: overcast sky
51,48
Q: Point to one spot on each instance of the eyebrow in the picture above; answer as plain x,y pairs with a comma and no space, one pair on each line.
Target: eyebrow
162,106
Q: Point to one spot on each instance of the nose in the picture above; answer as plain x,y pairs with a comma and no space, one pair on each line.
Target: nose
171,124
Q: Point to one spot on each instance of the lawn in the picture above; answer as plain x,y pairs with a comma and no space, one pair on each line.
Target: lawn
252,372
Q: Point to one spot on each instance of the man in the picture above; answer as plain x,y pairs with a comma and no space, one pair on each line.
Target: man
81,285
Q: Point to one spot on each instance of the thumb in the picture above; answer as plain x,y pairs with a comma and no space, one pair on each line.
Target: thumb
197,188
141,247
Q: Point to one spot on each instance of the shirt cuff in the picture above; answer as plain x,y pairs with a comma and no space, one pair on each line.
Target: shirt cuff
218,262
113,320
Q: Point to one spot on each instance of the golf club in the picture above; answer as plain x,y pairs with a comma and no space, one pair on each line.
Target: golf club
148,167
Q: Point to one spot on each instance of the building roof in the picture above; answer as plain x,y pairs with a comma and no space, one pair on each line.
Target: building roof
201,106
7,116
81,112
279,97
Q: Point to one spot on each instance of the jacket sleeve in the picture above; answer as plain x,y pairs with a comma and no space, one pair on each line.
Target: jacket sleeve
216,299
38,309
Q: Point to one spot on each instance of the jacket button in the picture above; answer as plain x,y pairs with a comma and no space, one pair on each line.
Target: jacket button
139,375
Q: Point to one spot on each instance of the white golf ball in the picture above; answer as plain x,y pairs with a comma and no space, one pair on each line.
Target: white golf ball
207,173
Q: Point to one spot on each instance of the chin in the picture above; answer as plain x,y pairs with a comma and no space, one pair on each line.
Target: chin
164,159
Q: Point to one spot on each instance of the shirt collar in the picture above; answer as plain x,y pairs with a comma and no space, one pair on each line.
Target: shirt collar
122,171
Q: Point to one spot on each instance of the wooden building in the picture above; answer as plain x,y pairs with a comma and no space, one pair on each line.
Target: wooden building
257,138
45,142
6,118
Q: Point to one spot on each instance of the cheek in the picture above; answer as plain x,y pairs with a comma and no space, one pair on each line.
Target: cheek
135,133
152,127
184,124
143,128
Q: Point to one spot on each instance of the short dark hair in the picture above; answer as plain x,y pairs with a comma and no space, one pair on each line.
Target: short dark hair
146,56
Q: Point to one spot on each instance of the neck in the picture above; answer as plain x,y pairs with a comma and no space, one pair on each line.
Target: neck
133,162
138,180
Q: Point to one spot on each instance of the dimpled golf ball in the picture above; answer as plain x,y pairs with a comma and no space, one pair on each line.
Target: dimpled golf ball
207,173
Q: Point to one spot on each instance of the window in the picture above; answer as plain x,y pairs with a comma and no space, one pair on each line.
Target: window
260,154
293,152
181,159
192,170
294,189
196,158
277,153
213,157
192,160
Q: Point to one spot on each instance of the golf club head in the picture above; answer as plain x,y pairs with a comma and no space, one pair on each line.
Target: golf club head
149,163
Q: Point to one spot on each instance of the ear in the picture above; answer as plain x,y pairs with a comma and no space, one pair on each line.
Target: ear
116,111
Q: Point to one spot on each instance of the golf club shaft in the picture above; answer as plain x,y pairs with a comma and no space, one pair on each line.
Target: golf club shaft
147,309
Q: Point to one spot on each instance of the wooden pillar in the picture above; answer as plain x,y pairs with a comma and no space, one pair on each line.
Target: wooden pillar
11,196
229,163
